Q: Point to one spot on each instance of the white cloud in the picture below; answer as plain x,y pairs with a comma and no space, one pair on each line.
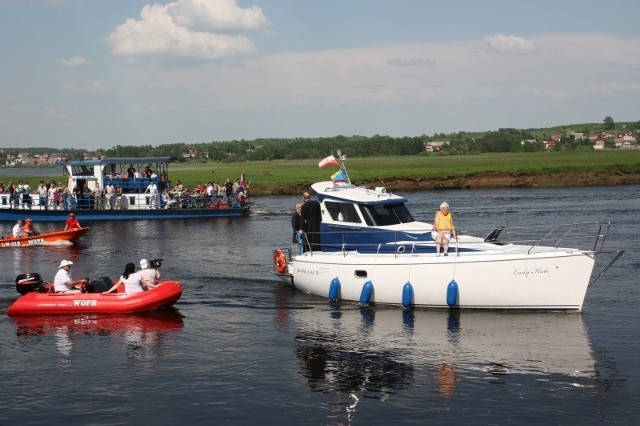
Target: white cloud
193,29
216,16
509,45
76,61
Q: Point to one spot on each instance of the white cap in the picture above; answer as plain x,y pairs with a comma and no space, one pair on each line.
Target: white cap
144,264
65,263
444,205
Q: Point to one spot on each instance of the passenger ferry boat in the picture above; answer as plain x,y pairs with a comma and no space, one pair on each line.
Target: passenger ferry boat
129,203
372,250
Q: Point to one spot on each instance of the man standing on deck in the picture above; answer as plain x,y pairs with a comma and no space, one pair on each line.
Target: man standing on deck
311,218
297,223
152,189
109,190
42,195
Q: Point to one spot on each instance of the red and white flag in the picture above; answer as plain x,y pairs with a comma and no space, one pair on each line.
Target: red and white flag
329,161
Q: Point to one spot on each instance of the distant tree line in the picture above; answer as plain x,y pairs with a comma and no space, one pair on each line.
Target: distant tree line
461,143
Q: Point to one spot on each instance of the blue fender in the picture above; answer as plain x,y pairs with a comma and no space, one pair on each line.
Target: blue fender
452,294
407,295
367,292
334,289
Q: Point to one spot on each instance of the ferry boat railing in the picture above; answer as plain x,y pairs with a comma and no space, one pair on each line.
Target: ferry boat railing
93,202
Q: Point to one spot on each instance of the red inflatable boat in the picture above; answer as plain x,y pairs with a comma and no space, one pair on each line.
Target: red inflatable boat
47,238
38,299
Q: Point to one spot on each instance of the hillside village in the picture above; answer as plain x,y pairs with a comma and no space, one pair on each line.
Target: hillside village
602,140
55,159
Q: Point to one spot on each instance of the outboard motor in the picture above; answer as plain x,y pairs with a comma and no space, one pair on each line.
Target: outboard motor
99,285
27,283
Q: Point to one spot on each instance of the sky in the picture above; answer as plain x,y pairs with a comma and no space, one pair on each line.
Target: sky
100,73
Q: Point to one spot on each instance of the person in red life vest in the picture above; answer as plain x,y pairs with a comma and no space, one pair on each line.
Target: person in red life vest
72,222
28,228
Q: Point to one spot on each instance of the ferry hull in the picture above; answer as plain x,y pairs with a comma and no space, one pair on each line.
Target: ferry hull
38,215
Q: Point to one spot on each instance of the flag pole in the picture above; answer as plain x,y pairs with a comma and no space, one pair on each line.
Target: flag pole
341,159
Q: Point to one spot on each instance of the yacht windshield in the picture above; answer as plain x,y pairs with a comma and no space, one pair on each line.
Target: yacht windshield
386,214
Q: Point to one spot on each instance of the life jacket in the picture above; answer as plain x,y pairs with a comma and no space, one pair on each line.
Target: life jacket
444,223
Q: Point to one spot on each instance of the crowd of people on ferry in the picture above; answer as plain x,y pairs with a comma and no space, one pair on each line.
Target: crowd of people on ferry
51,195
57,196
225,195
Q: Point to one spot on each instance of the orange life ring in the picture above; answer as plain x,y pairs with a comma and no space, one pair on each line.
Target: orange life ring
280,261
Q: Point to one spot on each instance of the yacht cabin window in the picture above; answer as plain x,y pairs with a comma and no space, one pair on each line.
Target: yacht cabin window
386,214
343,212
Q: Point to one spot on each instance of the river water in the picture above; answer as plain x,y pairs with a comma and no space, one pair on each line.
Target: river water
240,347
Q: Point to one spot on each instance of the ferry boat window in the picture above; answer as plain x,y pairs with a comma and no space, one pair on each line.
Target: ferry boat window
387,214
345,212
81,170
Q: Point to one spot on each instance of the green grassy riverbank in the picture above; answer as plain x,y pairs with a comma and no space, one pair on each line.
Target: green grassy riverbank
422,172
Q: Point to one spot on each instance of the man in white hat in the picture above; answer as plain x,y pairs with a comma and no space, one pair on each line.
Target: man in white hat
63,283
150,277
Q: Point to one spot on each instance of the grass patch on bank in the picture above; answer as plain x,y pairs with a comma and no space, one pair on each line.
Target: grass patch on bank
378,169
297,173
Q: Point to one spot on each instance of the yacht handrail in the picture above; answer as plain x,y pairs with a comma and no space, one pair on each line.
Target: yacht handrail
577,232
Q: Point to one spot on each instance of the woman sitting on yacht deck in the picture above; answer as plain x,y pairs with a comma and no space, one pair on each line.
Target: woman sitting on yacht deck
443,229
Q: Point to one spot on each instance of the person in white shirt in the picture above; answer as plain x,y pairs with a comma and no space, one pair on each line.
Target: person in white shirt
150,277
152,189
51,195
62,283
109,190
17,231
42,194
131,279
26,195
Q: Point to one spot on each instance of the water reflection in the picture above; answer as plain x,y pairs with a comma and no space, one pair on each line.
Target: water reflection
142,334
353,352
